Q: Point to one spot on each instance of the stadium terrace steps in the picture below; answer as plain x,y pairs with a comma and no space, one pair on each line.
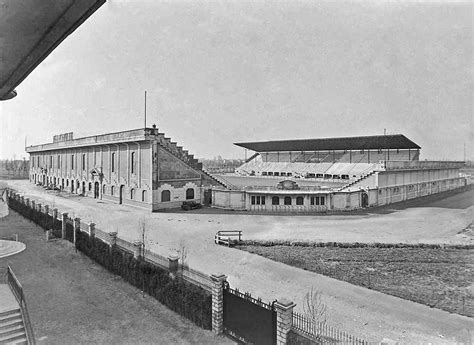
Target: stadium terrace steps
363,177
12,329
184,155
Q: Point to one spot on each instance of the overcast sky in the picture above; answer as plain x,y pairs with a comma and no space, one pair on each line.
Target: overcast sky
221,72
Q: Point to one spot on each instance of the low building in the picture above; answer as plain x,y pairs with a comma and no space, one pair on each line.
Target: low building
138,167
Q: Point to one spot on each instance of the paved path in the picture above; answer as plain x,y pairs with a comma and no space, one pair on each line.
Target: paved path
360,311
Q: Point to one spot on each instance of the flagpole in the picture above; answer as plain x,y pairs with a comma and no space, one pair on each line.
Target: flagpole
145,108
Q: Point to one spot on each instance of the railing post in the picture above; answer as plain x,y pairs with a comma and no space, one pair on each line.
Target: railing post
173,264
76,226
218,303
284,309
91,230
137,250
63,223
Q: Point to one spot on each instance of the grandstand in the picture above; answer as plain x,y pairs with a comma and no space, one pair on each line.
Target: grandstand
333,174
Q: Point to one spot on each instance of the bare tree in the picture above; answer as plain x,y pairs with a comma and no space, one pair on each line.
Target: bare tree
315,310
182,253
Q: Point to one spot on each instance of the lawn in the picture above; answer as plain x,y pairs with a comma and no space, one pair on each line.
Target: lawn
439,278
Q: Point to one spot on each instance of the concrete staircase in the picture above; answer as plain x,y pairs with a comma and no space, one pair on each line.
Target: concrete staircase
184,156
12,329
363,177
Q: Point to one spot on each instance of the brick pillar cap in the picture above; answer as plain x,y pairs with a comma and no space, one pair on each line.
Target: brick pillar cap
218,277
173,257
64,213
137,243
91,224
113,233
77,218
284,304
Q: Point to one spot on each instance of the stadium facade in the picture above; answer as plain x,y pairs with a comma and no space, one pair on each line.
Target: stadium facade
138,167
320,175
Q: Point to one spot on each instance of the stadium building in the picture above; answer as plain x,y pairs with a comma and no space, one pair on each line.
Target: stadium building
319,175
138,167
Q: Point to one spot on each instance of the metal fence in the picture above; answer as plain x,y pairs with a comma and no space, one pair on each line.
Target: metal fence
321,332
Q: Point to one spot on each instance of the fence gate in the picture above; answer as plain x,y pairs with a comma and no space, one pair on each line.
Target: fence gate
247,319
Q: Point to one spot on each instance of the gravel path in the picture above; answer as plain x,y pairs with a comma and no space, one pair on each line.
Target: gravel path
360,311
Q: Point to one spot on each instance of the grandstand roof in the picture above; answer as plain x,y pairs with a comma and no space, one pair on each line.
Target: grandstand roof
374,142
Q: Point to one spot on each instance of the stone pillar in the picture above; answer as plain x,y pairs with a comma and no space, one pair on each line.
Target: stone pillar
39,208
76,226
218,303
22,199
55,214
46,209
33,205
63,220
113,238
173,263
92,230
284,309
27,202
137,249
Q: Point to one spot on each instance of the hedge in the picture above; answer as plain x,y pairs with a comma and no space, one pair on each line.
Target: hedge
271,243
186,299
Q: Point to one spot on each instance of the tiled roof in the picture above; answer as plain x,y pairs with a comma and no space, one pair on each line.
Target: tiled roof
396,141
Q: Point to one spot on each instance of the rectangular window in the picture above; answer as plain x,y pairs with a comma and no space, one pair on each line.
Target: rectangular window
311,201
113,162
258,200
289,174
72,162
264,173
83,162
322,200
59,161
51,161
263,200
253,200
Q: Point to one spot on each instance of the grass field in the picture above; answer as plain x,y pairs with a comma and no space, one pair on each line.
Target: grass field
439,278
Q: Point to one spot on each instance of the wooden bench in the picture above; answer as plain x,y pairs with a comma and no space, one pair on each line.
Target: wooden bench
227,237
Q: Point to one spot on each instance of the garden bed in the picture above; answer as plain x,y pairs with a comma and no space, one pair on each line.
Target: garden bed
434,276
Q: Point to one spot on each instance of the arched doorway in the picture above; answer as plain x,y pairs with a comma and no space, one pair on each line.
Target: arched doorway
364,200
83,188
96,190
72,186
121,194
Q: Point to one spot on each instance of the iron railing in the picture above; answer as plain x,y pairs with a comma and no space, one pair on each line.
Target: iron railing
17,290
322,332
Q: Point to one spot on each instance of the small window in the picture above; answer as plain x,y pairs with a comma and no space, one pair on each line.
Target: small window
319,175
90,186
276,173
270,173
311,200
83,162
299,200
144,196
165,196
189,193
132,194
112,190
263,200
287,200
283,174
289,174
132,162
113,162
252,199
322,200
264,173
72,162
67,183
103,189
275,200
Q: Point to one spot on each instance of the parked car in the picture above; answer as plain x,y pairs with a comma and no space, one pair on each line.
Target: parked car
190,205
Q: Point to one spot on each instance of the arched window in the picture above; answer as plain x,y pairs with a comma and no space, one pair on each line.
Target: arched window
103,189
287,200
275,200
90,186
144,196
112,190
132,194
132,162
189,193
113,162
299,200
165,196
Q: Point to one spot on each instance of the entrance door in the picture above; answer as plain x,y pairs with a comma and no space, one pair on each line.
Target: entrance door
96,190
208,197
121,194
364,200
